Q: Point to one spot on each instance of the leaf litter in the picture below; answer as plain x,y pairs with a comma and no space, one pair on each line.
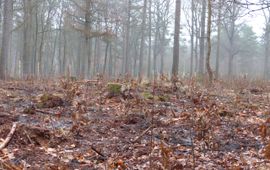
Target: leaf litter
81,124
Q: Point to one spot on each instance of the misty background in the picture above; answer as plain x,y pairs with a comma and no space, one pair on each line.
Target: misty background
86,38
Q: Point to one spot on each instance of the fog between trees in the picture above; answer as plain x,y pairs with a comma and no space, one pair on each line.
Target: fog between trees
141,38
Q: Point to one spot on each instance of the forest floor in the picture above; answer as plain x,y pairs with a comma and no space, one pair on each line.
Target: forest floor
65,124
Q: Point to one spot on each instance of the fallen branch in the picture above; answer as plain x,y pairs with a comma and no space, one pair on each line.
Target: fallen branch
8,165
4,114
9,136
142,134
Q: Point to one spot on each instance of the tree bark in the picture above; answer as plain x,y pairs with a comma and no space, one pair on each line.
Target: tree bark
192,39
231,40
88,41
202,38
149,68
127,39
142,41
266,58
218,39
6,38
26,56
209,70
176,45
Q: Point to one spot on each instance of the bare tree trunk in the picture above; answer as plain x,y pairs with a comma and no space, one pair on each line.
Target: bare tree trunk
209,70
41,51
192,38
266,58
61,67
88,44
142,41
96,56
202,38
27,57
157,32
162,53
7,35
218,39
35,53
64,59
79,56
105,58
53,69
176,45
150,40
110,69
127,39
155,50
231,39
196,53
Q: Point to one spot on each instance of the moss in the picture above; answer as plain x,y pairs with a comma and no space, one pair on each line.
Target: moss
146,84
225,113
45,97
114,88
70,78
73,78
39,105
49,100
29,110
147,95
163,98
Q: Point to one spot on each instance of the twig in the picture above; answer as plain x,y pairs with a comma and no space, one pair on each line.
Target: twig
28,137
98,152
44,112
5,114
143,133
9,136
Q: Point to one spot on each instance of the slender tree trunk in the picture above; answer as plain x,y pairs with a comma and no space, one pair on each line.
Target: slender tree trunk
202,38
105,58
6,38
150,40
231,40
176,45
142,41
61,67
53,69
209,70
41,52
35,53
192,38
96,56
127,39
155,50
79,56
27,57
88,44
218,39
110,64
162,53
196,53
266,58
64,61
